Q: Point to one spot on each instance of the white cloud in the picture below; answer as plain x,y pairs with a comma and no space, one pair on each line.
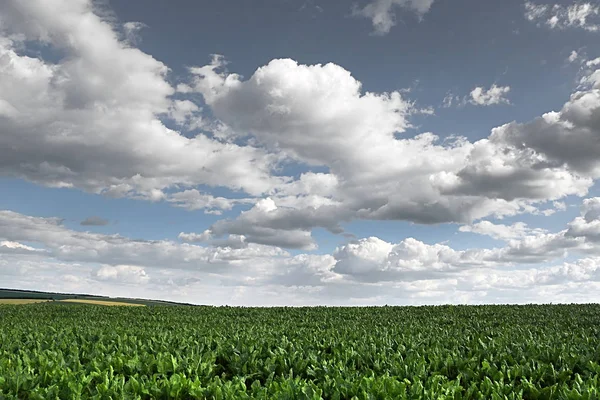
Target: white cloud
479,96
573,56
500,231
122,274
195,237
192,199
318,115
131,30
557,16
315,115
494,95
382,13
186,114
535,11
366,271
374,260
86,247
588,224
451,99
12,247
91,119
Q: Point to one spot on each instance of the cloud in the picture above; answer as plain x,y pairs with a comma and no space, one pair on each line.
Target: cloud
122,274
192,200
494,95
451,99
382,13
567,137
479,96
268,224
85,247
500,231
94,221
573,56
372,259
195,237
557,16
317,115
91,120
11,247
232,241
186,114
131,30
365,271
588,224
547,158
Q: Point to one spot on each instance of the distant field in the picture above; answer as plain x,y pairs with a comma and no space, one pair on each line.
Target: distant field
56,350
37,295
101,302
21,301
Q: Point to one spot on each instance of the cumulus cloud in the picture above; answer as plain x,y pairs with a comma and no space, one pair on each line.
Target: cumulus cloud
293,107
186,114
372,259
312,115
122,274
548,158
588,224
479,96
195,237
192,199
500,231
558,16
451,99
318,116
487,97
91,120
365,271
573,56
94,221
268,224
68,245
382,13
131,30
11,247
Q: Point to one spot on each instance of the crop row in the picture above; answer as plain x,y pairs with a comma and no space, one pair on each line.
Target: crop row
53,351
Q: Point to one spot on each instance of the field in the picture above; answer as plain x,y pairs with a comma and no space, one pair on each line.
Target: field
53,351
14,294
102,302
21,301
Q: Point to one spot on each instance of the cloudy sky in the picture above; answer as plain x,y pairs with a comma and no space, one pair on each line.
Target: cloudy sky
282,152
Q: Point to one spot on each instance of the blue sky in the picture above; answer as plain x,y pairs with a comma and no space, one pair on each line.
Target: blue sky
301,152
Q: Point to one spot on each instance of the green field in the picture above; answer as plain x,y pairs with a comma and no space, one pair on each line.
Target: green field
52,351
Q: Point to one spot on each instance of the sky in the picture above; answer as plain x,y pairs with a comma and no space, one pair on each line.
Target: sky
310,152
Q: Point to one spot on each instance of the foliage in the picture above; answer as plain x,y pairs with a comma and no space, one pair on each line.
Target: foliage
49,351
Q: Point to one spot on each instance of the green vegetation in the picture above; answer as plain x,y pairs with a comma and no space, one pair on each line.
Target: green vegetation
49,351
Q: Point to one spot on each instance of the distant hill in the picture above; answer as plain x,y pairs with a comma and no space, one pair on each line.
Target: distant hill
38,295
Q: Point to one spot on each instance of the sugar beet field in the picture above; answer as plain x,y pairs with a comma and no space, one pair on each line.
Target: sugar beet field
76,351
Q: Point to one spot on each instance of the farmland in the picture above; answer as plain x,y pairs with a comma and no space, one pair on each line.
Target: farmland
28,296
102,302
58,351
21,301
